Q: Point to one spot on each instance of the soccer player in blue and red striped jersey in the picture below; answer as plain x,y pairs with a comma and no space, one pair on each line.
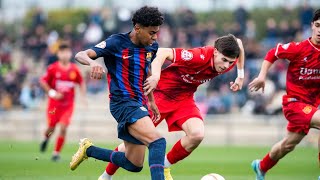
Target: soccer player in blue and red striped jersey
128,57
300,104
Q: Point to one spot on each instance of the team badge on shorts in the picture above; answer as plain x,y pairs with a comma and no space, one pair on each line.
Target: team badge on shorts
307,109
143,108
186,55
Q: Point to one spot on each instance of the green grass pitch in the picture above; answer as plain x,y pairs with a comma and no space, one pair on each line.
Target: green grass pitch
22,160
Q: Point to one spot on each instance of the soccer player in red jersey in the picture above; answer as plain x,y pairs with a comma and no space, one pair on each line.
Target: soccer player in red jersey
59,82
177,85
300,103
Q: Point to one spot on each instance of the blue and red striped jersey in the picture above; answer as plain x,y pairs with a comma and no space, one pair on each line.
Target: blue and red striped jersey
127,65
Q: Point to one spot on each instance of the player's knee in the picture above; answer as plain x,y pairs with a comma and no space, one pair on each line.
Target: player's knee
63,132
134,168
158,144
131,167
154,137
196,137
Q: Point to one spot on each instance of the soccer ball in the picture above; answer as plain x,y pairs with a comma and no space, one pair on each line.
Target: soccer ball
212,176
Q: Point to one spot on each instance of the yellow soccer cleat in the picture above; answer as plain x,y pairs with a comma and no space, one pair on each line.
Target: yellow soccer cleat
80,155
167,174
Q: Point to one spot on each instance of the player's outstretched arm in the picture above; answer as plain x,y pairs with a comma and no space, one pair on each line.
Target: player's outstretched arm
238,83
152,81
86,58
259,82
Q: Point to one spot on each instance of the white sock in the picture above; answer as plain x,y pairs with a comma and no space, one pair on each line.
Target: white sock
166,162
106,176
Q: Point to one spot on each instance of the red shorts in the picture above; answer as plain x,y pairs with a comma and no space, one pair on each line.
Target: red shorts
299,116
176,112
59,114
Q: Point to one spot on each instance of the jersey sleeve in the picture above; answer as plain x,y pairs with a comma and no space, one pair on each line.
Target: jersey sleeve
283,51
106,47
79,78
155,47
48,76
187,56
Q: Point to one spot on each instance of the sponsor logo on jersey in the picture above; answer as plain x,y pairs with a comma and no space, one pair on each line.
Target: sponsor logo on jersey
186,55
190,79
143,108
126,57
101,45
308,71
149,56
307,109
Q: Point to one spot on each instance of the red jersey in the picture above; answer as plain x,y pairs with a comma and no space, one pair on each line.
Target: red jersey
303,75
190,68
63,80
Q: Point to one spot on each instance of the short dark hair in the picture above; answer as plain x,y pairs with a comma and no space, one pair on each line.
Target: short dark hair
64,46
148,16
228,46
316,15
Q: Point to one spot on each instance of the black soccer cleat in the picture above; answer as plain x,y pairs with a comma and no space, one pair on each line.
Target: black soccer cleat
55,158
43,145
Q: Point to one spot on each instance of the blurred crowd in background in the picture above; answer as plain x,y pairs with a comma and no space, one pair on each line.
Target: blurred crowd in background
24,56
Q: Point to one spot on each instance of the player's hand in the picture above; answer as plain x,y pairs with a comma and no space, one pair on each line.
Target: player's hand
256,84
237,84
96,70
150,84
155,112
58,96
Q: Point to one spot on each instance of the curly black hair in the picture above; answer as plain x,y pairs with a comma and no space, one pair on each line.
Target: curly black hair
147,16
228,46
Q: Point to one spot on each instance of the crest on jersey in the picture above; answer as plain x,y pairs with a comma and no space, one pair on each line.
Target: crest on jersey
101,45
307,109
186,55
149,56
72,75
285,46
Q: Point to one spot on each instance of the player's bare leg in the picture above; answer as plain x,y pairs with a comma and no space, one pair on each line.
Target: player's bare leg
59,143
44,143
146,132
286,145
278,151
194,129
143,133
111,168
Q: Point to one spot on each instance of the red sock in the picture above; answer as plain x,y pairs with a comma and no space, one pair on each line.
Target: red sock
112,168
319,156
177,153
267,163
59,144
